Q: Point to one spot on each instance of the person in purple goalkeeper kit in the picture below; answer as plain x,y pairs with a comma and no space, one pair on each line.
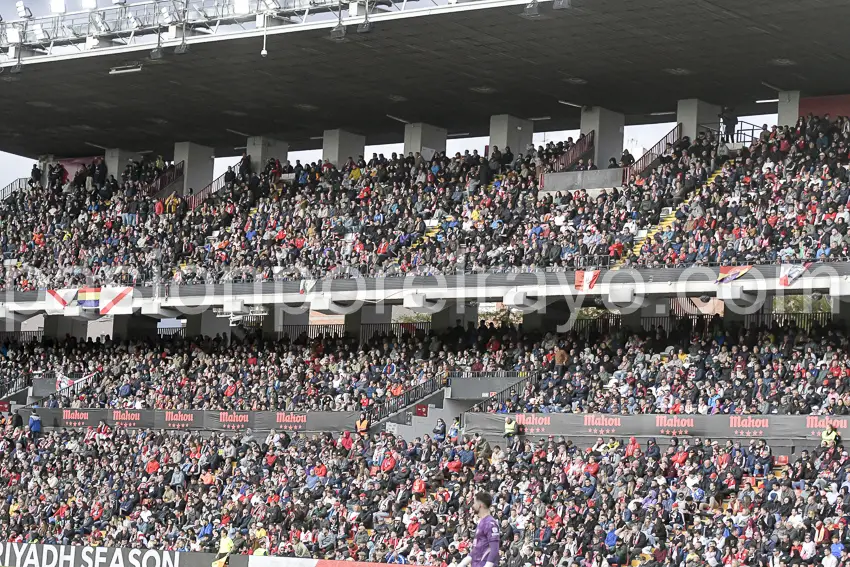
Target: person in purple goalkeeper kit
485,548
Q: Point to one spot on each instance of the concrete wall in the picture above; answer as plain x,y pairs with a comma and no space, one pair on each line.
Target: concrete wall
116,160
694,113
262,148
510,131
420,135
199,163
575,180
441,408
788,109
609,128
339,145
478,389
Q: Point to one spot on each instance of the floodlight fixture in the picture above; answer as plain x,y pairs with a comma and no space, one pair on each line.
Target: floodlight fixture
100,23
134,22
57,6
89,5
241,7
39,33
13,34
23,11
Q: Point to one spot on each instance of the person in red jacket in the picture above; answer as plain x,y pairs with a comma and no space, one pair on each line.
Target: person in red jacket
388,463
633,447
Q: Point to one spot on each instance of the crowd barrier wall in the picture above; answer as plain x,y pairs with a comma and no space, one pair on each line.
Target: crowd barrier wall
200,420
778,427
46,555
575,180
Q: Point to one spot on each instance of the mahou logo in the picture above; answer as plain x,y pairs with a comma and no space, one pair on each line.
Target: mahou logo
179,419
75,415
119,415
233,420
817,423
291,421
533,422
736,421
601,424
74,418
674,425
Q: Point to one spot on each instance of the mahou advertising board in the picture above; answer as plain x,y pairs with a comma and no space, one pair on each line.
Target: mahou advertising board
320,421
714,426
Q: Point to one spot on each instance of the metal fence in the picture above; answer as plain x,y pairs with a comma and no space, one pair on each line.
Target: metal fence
368,331
311,331
21,336
10,189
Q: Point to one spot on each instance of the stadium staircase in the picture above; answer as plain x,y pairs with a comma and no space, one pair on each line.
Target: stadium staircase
167,182
10,189
198,198
666,222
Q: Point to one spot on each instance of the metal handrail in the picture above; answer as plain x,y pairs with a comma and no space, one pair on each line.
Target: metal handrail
74,388
164,180
533,378
463,374
217,185
13,187
748,134
570,157
653,153
12,387
394,405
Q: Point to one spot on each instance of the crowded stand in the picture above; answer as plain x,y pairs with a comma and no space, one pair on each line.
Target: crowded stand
783,198
382,217
760,370
385,499
322,374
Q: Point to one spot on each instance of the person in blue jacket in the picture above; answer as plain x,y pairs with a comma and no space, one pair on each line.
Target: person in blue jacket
35,426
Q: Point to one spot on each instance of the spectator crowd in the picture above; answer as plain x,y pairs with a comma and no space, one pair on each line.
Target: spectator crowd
775,369
381,217
382,498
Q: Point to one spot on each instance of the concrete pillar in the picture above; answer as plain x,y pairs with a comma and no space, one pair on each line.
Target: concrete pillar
632,321
512,132
198,165
789,108
116,161
60,327
695,114
339,145
608,127
207,324
375,314
454,313
262,148
134,327
424,138
547,319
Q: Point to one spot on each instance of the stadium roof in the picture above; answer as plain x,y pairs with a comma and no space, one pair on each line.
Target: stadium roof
454,68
